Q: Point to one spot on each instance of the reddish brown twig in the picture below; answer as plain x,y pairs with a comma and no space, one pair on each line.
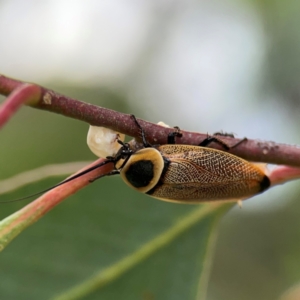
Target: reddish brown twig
253,150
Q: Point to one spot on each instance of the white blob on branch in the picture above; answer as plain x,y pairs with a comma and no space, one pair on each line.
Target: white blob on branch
103,142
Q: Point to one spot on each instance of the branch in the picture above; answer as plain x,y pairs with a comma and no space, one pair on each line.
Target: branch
252,150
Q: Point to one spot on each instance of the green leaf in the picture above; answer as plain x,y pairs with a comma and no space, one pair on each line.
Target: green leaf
110,242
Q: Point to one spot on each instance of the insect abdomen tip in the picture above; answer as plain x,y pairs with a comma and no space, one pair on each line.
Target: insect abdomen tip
265,183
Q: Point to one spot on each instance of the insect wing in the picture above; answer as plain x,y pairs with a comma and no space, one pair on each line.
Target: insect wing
199,174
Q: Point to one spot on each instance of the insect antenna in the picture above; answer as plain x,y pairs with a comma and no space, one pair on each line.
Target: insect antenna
108,160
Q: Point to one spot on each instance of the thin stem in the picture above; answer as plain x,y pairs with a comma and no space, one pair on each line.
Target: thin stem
252,150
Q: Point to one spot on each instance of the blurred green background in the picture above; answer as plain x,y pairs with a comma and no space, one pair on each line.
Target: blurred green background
202,65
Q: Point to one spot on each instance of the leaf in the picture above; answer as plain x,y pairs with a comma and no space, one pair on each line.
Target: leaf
109,242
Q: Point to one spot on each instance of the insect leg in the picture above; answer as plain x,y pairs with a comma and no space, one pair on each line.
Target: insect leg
211,139
239,142
172,135
215,139
232,136
221,133
142,132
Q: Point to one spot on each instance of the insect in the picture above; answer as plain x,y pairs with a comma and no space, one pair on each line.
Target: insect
184,173
188,174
